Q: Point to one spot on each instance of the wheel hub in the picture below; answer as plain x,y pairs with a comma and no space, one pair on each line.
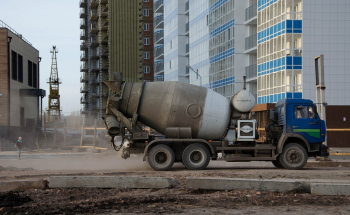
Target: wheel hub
294,156
196,157
161,157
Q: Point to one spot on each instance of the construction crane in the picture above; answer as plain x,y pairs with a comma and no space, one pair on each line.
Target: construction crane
54,109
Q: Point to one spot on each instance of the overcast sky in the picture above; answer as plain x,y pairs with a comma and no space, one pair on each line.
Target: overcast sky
45,23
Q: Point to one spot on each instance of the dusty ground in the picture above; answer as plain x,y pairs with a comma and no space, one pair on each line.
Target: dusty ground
35,165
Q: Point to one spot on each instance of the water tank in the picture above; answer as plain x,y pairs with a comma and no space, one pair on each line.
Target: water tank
176,104
243,101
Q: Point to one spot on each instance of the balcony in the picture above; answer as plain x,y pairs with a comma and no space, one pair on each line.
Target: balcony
187,29
83,13
159,37
187,7
93,41
94,3
159,6
159,78
93,15
94,68
251,43
105,52
251,12
105,39
104,11
187,49
159,52
83,46
93,28
83,57
83,79
95,81
82,3
83,100
83,24
83,68
159,21
84,89
251,71
159,67
83,35
187,71
94,55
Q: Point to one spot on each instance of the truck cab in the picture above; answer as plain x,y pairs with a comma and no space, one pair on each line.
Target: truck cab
296,121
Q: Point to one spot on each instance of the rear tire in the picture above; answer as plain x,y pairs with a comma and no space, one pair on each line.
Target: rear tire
293,156
196,157
161,157
277,163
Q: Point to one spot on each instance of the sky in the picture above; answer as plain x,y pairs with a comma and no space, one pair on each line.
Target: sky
45,23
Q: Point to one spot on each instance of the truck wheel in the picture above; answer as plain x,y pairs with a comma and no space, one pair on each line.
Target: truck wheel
277,163
161,157
196,157
293,156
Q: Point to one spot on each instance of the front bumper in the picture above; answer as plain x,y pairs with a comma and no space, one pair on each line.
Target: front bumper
324,151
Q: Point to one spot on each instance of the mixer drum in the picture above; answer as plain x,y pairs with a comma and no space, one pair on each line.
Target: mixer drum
176,104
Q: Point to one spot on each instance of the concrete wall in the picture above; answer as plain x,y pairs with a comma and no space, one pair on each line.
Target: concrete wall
326,30
30,104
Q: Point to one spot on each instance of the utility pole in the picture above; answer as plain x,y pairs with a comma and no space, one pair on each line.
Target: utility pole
320,88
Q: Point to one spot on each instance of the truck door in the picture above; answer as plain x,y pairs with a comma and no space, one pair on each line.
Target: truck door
306,123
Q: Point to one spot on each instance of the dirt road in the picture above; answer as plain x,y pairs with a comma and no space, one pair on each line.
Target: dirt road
169,201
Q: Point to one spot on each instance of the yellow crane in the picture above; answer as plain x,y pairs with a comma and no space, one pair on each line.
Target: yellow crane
54,109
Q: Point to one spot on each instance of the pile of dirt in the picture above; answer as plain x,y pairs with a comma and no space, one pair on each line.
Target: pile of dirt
12,199
89,200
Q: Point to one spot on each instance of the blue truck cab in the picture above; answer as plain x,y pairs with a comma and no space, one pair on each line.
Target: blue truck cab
297,131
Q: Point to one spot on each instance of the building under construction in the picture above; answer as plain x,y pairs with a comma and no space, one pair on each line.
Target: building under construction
116,36
20,93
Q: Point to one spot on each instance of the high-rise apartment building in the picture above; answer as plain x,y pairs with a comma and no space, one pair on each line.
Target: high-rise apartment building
290,34
113,40
272,42
94,57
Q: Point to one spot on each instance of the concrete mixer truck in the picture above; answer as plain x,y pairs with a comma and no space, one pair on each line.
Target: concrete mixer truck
196,124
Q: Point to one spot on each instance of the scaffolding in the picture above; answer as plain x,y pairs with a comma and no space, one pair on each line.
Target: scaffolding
54,109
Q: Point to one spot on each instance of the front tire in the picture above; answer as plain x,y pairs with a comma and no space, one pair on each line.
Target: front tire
293,156
161,157
196,157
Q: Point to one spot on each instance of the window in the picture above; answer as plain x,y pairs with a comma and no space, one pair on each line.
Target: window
20,68
145,41
312,112
301,112
145,0
35,76
171,44
207,20
14,65
21,114
30,73
146,69
145,12
169,64
282,110
146,27
146,55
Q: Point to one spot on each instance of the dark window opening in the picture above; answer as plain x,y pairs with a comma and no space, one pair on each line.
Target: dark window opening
35,77
30,73
14,65
20,68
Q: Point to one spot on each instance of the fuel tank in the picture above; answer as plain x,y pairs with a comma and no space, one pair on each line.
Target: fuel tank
176,104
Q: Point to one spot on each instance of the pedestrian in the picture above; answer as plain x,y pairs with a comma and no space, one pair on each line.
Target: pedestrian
19,147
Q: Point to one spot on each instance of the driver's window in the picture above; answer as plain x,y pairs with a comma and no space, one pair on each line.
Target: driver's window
312,114
301,112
